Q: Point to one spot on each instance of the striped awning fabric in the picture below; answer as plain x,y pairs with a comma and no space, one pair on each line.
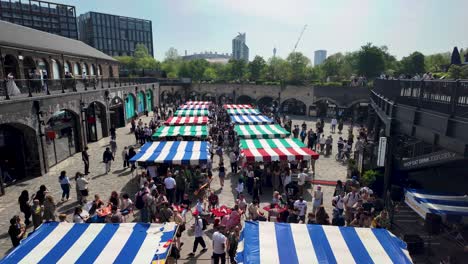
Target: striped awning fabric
198,103
251,119
65,243
243,111
174,152
267,150
237,106
261,131
269,242
444,204
193,107
184,120
202,112
174,131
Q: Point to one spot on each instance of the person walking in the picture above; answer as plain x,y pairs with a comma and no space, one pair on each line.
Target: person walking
131,154
180,186
113,147
170,184
12,89
222,174
334,122
49,209
233,160
220,244
65,185
112,133
85,158
125,157
36,211
198,236
107,158
25,206
318,199
16,231
82,187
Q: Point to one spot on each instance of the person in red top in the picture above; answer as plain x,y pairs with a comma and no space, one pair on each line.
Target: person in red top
213,199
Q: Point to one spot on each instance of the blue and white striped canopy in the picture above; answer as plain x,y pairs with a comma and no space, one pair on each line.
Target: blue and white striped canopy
174,152
272,243
251,119
95,243
444,204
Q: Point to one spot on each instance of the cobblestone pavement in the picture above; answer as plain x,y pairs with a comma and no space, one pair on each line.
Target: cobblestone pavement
120,180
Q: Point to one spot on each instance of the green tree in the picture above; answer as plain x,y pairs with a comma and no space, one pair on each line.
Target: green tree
298,64
277,69
370,61
184,71
238,69
197,68
172,54
455,71
257,68
464,72
437,62
127,62
412,64
332,65
210,74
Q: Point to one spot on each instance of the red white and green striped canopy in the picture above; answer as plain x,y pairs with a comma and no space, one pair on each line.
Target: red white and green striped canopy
261,131
186,120
203,112
243,112
267,150
237,106
175,131
193,107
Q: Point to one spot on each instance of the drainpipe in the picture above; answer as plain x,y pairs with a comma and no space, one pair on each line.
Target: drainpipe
41,123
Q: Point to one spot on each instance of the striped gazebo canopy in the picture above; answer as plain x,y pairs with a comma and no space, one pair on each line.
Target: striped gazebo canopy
261,131
175,131
250,119
186,120
174,152
199,112
237,106
65,243
243,111
198,103
193,107
267,150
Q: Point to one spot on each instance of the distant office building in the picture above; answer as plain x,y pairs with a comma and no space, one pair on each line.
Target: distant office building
319,56
209,56
240,51
115,35
49,17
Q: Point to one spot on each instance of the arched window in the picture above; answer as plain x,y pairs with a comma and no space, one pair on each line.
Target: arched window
91,70
76,69
55,70
67,67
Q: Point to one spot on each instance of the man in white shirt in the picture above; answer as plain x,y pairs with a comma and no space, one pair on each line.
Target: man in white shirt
333,124
233,159
301,178
220,244
198,232
349,201
170,185
301,205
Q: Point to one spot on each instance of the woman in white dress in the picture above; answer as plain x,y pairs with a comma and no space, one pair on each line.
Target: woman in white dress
318,199
12,89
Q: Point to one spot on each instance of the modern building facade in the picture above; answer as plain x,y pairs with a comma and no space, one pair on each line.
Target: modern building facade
46,16
240,50
319,57
209,56
115,35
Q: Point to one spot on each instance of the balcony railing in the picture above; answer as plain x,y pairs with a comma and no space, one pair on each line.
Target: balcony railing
445,96
41,87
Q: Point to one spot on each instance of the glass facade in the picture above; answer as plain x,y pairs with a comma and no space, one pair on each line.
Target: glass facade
49,17
115,35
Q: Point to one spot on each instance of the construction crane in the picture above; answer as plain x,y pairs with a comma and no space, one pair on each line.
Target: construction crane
300,36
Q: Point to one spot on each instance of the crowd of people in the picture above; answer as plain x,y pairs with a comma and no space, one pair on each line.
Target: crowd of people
184,195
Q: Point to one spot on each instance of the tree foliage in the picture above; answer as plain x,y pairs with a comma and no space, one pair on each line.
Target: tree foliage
257,68
370,61
413,64
141,60
298,64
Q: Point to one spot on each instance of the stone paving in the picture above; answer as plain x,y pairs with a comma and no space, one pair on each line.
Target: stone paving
120,180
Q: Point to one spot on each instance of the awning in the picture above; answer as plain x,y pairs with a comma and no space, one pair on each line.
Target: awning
267,150
174,152
191,113
268,242
183,120
251,119
198,103
261,131
174,131
193,107
444,204
95,243
243,112
237,106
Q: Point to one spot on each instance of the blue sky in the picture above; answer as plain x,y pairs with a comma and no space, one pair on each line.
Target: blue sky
428,26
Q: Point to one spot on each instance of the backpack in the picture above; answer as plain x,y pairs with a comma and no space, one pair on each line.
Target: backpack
139,203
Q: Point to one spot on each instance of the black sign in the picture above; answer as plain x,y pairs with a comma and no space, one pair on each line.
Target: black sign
431,159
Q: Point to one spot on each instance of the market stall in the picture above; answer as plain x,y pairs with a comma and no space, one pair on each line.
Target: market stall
243,112
261,131
449,206
267,150
268,242
186,120
184,131
237,106
193,107
251,119
55,242
200,112
198,103
173,152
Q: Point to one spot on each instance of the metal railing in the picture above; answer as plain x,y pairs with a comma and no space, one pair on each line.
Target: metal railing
445,96
40,87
